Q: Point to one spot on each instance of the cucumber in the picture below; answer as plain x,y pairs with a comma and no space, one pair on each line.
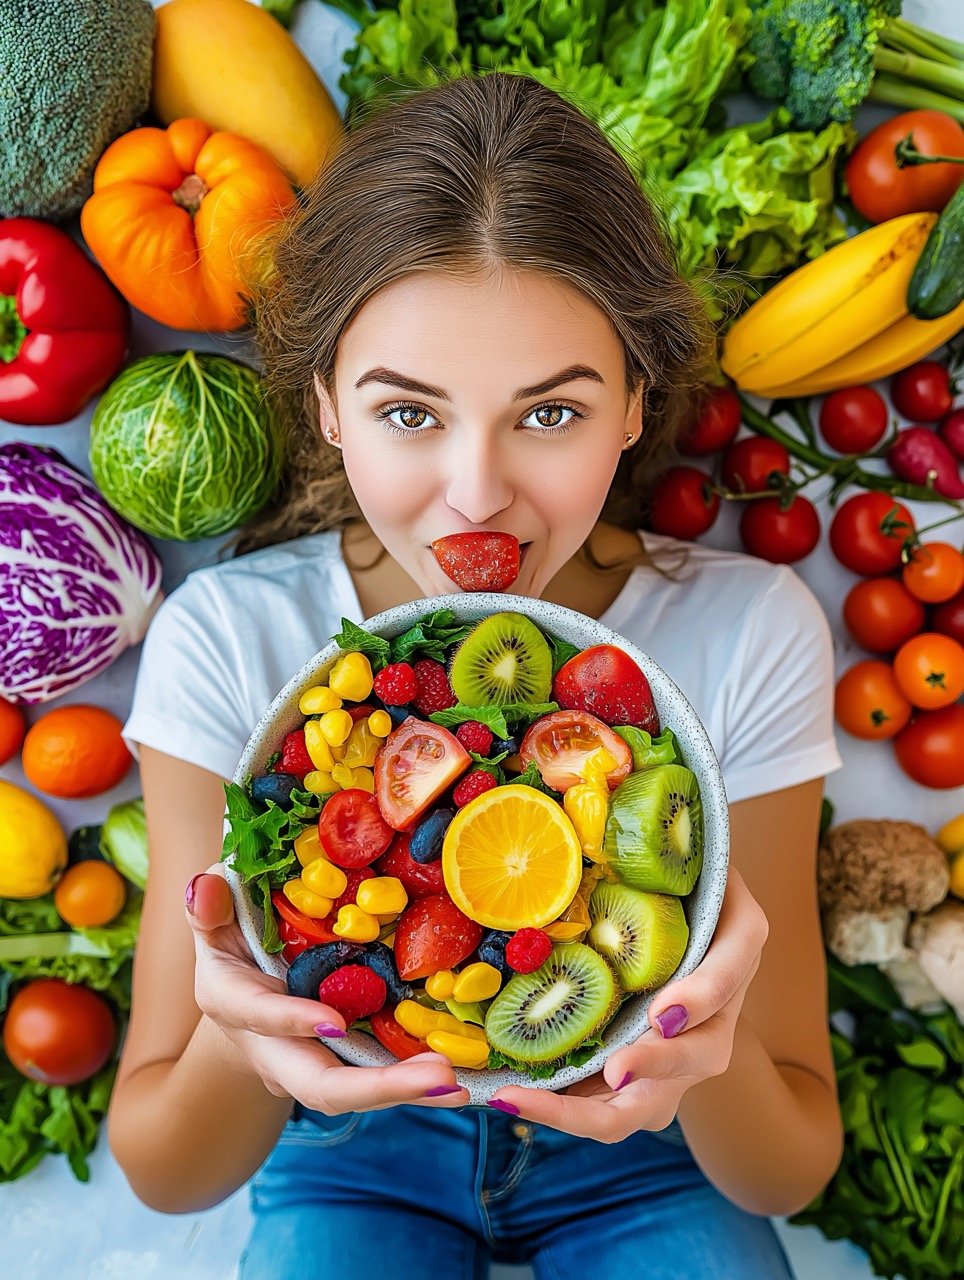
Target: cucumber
937,284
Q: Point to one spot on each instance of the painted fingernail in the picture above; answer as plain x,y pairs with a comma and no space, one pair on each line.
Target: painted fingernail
625,1080
507,1107
440,1089
190,891
672,1020
328,1029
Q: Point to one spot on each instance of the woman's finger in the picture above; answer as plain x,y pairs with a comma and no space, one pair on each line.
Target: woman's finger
343,1088
606,1119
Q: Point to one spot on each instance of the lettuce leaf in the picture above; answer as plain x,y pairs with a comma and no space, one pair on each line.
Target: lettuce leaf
544,1070
497,718
647,750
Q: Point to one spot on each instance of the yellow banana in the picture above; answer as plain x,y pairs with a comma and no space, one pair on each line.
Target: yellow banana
823,310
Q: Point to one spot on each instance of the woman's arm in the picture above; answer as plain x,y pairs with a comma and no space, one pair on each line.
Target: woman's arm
767,1132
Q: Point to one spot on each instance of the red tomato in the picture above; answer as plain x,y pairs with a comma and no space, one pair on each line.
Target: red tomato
931,749
393,1035
419,879
58,1032
853,419
351,829
951,431
560,742
433,934
922,392
307,927
606,682
294,941
360,711
881,189
681,504
783,537
948,618
13,729
930,670
716,423
748,464
865,537
868,702
414,765
935,572
880,614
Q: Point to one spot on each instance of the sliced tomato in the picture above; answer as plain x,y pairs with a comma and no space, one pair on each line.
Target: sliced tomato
559,744
414,765
393,1035
313,931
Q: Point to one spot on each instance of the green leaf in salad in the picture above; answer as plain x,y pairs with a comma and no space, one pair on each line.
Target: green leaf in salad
562,651
544,1070
430,637
38,1119
647,750
531,777
353,638
496,718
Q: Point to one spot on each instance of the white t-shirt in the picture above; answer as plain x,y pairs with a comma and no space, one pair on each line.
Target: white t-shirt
746,641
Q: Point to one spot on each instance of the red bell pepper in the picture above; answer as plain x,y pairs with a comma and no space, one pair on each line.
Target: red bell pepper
63,328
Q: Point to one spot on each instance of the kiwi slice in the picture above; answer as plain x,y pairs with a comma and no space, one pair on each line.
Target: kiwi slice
642,935
654,832
505,658
540,1016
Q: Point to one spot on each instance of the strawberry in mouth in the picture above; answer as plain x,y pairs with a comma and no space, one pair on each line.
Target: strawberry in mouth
479,561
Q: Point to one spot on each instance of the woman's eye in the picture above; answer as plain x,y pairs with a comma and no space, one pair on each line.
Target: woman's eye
411,419
550,420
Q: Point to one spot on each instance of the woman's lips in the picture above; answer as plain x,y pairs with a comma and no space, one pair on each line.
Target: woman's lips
482,560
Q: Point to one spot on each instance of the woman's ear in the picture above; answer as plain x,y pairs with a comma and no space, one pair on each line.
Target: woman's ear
633,426
327,413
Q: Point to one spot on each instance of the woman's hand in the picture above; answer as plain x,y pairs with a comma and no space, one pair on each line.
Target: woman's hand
641,1085
275,1032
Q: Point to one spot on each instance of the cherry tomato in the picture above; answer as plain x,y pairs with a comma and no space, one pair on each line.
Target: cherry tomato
414,765
948,618
419,879
881,189
560,742
393,1035
951,431
935,572
853,419
13,729
605,681
749,463
922,392
294,941
307,927
931,748
866,537
351,829
58,1032
868,702
880,614
779,536
681,504
90,894
715,426
930,670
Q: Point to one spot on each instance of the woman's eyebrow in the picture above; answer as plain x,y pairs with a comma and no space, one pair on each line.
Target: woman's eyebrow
393,379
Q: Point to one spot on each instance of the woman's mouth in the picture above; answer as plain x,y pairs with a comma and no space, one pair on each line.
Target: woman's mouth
482,561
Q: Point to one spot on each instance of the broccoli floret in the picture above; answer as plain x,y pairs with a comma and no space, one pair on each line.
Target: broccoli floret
74,75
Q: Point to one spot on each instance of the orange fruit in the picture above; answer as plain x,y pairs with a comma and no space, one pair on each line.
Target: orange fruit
511,858
75,752
12,728
90,894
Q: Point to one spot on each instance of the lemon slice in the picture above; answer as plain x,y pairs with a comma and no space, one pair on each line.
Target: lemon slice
511,859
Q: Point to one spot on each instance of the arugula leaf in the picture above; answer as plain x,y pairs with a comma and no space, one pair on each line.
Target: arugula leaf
351,637
497,719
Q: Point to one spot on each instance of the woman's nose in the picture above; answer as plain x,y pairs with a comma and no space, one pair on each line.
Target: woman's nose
477,485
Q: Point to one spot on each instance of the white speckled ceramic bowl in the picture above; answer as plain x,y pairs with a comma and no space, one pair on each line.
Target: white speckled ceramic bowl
702,906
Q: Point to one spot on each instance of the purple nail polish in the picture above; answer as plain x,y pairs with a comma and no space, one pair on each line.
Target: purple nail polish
440,1089
672,1020
508,1107
625,1080
191,890
328,1029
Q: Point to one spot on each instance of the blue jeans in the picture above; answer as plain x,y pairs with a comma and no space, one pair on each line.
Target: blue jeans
412,1193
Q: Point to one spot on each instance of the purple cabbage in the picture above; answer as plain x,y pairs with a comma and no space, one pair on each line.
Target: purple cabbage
77,583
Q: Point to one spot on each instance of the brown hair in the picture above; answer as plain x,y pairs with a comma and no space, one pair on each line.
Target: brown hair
480,173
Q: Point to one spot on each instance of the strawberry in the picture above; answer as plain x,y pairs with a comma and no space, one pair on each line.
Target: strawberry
479,561
433,934
418,880
606,682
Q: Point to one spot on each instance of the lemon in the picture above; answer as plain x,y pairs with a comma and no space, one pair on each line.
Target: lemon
33,847
951,835
957,874
511,859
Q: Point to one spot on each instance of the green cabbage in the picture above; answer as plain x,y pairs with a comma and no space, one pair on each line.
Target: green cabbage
123,840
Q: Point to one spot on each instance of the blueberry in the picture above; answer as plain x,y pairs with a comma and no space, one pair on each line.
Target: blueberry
398,714
381,960
499,745
275,786
426,842
491,950
308,970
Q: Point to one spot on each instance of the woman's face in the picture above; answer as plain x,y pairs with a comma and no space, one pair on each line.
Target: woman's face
502,432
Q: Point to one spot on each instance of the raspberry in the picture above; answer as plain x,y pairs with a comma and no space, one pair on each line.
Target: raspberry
434,691
294,755
527,949
396,684
475,736
354,990
473,784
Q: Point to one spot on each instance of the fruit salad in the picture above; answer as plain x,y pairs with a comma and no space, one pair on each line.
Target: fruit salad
478,842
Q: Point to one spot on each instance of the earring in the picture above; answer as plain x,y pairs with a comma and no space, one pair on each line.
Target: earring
629,437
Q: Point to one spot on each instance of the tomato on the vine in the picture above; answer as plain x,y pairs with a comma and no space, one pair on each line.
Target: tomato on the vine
867,534
715,425
778,535
931,748
882,189
853,419
948,617
935,572
869,703
929,669
749,463
880,614
923,391
682,504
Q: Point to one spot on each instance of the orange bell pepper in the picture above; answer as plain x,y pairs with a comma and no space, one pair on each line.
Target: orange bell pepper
177,221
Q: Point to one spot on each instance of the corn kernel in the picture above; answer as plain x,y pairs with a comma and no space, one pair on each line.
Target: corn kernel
362,746
460,1050
380,723
319,783
306,900
318,700
341,776
318,748
440,985
336,726
478,981
324,877
387,917
416,1018
382,894
364,779
454,1025
308,845
351,677
356,925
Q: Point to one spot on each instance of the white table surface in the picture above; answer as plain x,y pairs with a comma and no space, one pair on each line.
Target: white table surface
55,1226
